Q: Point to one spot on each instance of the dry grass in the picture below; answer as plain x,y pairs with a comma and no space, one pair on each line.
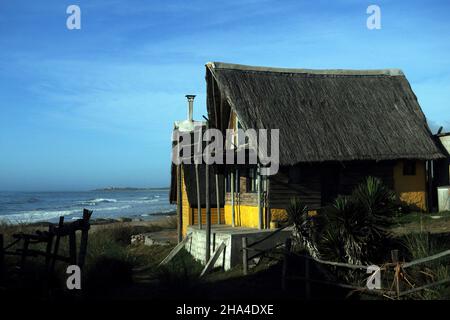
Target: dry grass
110,257
422,222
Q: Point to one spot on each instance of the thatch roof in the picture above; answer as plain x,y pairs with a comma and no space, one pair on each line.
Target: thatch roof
324,115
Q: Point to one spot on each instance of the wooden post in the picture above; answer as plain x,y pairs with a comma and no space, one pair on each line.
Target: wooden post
208,214
232,182
175,250
267,203
429,175
244,256
83,247
23,257
73,247
394,257
258,189
179,205
421,222
287,249
48,249
2,257
211,262
307,282
199,205
56,248
217,196
84,238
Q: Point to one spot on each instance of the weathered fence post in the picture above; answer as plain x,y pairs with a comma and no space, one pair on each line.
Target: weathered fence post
232,185
288,244
307,282
217,195
394,257
179,205
23,257
199,203
57,241
244,256
73,247
2,257
208,214
84,238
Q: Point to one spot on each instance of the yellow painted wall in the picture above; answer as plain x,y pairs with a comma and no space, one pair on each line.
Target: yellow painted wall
411,189
187,210
245,216
185,205
278,214
213,216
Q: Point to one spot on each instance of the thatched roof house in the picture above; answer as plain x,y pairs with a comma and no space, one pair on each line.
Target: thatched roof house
336,127
324,115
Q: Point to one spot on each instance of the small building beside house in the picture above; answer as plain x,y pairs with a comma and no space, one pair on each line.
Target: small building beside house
442,167
441,174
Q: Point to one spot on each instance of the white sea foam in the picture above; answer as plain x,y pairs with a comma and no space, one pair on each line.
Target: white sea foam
113,208
36,207
94,202
41,215
35,216
143,201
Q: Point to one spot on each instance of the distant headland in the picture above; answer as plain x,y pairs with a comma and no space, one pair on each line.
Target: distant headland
128,189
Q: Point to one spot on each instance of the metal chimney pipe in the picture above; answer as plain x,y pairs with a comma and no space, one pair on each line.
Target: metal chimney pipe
190,98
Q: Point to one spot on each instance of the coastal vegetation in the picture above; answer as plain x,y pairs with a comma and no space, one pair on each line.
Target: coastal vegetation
364,228
359,229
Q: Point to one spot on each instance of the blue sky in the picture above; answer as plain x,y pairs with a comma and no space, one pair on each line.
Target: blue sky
94,107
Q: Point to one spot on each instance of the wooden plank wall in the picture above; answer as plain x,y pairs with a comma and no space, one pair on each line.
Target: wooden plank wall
320,182
309,190
354,173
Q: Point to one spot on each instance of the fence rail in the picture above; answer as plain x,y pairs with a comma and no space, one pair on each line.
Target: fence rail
246,248
427,259
395,265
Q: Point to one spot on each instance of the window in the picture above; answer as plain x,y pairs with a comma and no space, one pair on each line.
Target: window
409,168
251,180
228,182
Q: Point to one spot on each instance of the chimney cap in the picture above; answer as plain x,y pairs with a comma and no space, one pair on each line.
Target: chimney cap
190,96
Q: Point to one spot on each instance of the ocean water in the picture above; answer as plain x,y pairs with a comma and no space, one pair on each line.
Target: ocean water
28,207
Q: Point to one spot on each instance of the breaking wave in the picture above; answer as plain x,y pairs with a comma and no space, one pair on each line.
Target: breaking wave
94,202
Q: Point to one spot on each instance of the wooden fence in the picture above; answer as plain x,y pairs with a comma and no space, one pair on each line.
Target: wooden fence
398,268
51,240
395,265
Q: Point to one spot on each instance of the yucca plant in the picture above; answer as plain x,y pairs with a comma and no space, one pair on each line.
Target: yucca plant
359,235
377,200
352,229
306,226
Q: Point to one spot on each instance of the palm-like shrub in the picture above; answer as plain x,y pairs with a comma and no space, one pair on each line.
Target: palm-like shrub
352,229
306,228
361,237
349,225
377,200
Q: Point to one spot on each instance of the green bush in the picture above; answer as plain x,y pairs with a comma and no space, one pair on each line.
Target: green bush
352,229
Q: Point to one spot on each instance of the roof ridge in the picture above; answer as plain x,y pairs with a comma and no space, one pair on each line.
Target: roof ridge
343,72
